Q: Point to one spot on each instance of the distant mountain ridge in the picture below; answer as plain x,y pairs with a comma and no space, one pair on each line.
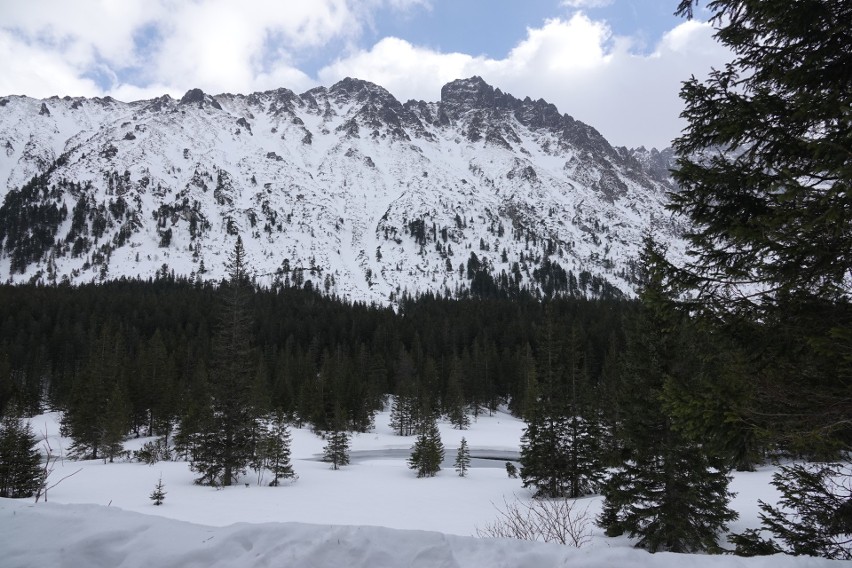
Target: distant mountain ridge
372,196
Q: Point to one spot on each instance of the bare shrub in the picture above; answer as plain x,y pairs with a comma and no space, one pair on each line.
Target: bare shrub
551,520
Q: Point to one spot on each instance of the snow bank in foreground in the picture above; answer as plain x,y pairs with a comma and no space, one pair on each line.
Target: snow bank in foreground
48,534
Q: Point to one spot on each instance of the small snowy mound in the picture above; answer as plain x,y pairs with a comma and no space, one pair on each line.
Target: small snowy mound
48,534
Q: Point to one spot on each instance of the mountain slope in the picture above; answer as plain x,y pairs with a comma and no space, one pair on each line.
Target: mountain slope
344,186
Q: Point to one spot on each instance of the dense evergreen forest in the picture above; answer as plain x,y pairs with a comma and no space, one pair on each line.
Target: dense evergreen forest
141,353
311,355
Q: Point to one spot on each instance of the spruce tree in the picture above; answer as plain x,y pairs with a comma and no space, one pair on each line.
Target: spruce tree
336,450
276,450
814,514
20,470
159,493
114,424
225,448
427,454
454,404
763,175
560,449
462,462
95,417
405,408
668,492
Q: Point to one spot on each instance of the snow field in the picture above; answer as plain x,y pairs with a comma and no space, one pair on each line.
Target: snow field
323,519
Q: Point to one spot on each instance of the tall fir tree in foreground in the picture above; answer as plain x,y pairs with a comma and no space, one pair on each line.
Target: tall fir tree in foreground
462,463
427,454
764,174
225,448
20,469
668,493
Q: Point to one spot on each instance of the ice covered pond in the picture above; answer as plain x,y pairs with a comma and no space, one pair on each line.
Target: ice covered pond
478,458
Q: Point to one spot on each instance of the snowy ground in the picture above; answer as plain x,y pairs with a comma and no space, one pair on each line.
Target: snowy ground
97,523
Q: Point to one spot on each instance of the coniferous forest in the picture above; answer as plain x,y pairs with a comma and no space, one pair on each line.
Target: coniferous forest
740,356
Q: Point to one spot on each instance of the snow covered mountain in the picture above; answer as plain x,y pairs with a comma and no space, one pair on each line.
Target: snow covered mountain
344,186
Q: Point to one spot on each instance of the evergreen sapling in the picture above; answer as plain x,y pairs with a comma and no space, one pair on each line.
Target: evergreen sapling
159,494
462,463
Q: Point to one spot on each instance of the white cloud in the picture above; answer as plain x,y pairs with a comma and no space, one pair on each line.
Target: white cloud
218,45
586,3
31,71
144,48
575,63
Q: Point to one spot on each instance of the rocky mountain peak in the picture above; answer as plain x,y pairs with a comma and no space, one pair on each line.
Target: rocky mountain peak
192,96
463,95
379,199
360,91
199,97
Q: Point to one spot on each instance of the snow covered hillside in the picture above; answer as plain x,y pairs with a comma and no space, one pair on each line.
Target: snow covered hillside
369,196
372,513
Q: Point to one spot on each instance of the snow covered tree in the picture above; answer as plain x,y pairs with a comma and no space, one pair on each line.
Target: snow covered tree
159,493
20,470
462,458
428,450
336,450
511,470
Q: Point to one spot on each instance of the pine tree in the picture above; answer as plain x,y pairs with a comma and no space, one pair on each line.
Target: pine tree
668,492
225,448
336,450
427,454
276,450
196,415
114,424
454,405
763,175
20,470
159,493
560,448
814,516
462,462
94,417
404,409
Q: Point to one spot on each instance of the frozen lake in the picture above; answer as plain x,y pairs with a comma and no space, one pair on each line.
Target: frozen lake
479,458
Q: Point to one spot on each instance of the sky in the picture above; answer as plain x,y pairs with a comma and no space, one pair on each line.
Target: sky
614,64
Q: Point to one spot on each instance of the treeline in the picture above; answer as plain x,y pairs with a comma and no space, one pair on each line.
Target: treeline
312,356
